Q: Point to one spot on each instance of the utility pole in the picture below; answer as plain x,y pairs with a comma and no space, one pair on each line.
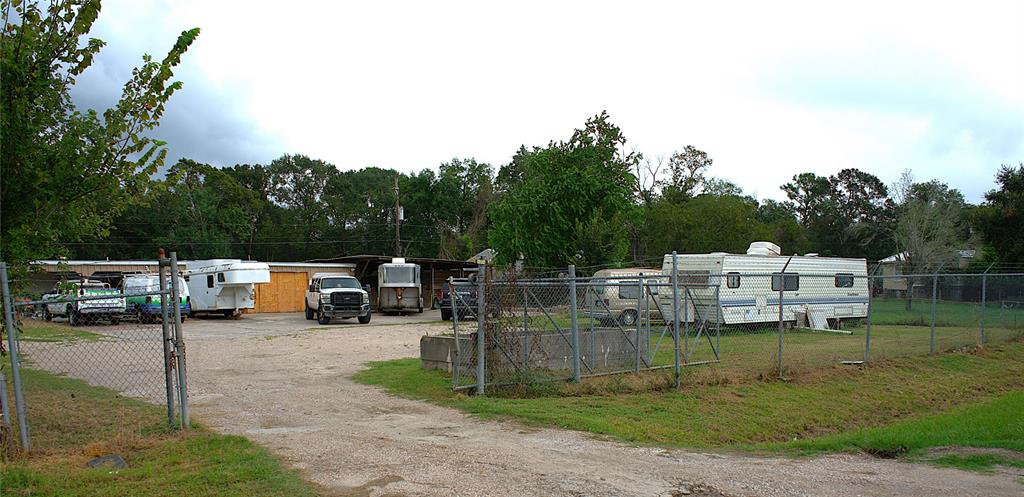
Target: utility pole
398,222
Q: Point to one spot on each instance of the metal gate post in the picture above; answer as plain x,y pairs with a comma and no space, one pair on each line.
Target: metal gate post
984,298
639,320
935,288
574,323
526,328
12,348
165,328
179,343
481,310
718,321
675,314
453,299
867,333
782,288
686,324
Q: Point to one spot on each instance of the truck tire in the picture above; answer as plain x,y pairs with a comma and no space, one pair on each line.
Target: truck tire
322,318
446,314
73,318
628,318
46,314
309,313
364,319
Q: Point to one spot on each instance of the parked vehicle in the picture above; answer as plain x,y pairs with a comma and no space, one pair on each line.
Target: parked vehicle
835,288
82,302
224,286
465,289
146,308
398,287
618,298
336,295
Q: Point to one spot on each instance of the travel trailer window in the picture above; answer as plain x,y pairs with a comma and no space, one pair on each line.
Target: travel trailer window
792,282
732,280
209,281
844,280
220,277
629,291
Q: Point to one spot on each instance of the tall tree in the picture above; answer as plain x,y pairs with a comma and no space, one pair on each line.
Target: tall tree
66,174
1001,217
563,204
688,169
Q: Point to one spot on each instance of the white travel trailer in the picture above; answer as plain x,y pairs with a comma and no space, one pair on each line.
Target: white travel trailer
398,287
224,286
824,289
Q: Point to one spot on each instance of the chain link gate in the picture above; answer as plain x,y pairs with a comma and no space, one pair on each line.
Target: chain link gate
84,341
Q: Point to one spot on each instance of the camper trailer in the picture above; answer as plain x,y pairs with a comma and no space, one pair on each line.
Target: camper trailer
826,290
614,295
224,286
398,287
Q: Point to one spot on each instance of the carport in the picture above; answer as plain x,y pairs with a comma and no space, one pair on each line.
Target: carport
433,272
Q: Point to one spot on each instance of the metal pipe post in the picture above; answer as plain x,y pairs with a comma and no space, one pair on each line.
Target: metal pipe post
5,405
179,344
867,334
574,323
165,328
675,314
639,321
935,289
984,298
526,329
686,324
782,288
481,307
453,300
718,321
12,349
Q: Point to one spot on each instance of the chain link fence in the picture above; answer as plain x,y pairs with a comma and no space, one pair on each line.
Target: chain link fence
736,326
102,351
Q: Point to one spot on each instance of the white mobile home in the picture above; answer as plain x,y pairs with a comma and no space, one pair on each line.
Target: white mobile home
224,285
826,288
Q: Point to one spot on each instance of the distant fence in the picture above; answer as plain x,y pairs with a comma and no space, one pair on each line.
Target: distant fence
736,326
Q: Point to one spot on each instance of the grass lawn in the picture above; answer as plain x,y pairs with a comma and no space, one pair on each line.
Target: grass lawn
42,331
72,422
822,408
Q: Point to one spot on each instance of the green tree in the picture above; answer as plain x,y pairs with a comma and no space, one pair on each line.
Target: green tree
1001,217
66,174
559,203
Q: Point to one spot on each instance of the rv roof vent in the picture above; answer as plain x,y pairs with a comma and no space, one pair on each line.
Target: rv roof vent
398,260
763,248
812,254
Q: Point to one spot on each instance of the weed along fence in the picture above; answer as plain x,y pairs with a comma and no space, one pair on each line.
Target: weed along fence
86,344
698,326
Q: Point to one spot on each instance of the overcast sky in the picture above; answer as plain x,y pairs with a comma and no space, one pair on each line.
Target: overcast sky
768,89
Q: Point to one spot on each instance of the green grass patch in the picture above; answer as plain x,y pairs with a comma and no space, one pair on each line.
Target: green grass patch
72,422
42,331
755,414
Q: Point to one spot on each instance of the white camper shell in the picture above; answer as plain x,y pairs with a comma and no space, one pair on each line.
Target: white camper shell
398,287
224,286
826,289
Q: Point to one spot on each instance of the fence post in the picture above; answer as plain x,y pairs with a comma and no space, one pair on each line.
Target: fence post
935,289
984,288
782,288
12,349
179,343
675,314
165,317
453,299
867,333
574,323
5,406
686,324
481,336
639,320
526,328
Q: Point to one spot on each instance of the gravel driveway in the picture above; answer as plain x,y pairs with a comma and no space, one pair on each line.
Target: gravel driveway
293,394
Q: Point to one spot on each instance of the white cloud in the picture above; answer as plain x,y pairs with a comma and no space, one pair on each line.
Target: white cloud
768,89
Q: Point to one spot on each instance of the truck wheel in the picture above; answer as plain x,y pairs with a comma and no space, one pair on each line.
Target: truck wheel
73,318
419,310
309,313
322,317
228,313
46,314
364,319
446,314
628,318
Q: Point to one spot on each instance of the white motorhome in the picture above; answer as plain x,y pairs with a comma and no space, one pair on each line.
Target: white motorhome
827,289
224,286
398,287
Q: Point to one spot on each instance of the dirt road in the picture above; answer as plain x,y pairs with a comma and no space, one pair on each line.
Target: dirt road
293,394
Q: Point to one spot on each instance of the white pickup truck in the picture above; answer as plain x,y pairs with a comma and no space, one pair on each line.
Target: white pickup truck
82,302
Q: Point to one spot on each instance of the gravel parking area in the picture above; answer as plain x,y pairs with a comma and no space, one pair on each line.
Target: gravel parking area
286,383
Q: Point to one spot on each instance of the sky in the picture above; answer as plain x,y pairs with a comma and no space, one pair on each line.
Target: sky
768,89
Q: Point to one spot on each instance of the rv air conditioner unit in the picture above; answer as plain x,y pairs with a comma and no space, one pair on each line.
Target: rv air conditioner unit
764,248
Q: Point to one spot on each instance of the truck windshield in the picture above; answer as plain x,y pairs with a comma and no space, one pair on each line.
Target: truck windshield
400,274
329,283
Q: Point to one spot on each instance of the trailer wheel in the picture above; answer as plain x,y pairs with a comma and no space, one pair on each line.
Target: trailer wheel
364,319
46,314
628,318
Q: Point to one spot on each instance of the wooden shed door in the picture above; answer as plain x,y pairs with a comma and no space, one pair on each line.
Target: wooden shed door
285,293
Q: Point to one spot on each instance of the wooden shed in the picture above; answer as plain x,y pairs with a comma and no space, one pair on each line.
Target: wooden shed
286,290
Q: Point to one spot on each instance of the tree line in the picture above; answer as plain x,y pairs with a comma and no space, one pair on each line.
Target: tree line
85,184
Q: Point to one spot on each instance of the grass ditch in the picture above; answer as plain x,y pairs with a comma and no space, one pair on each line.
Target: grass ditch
72,422
834,409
